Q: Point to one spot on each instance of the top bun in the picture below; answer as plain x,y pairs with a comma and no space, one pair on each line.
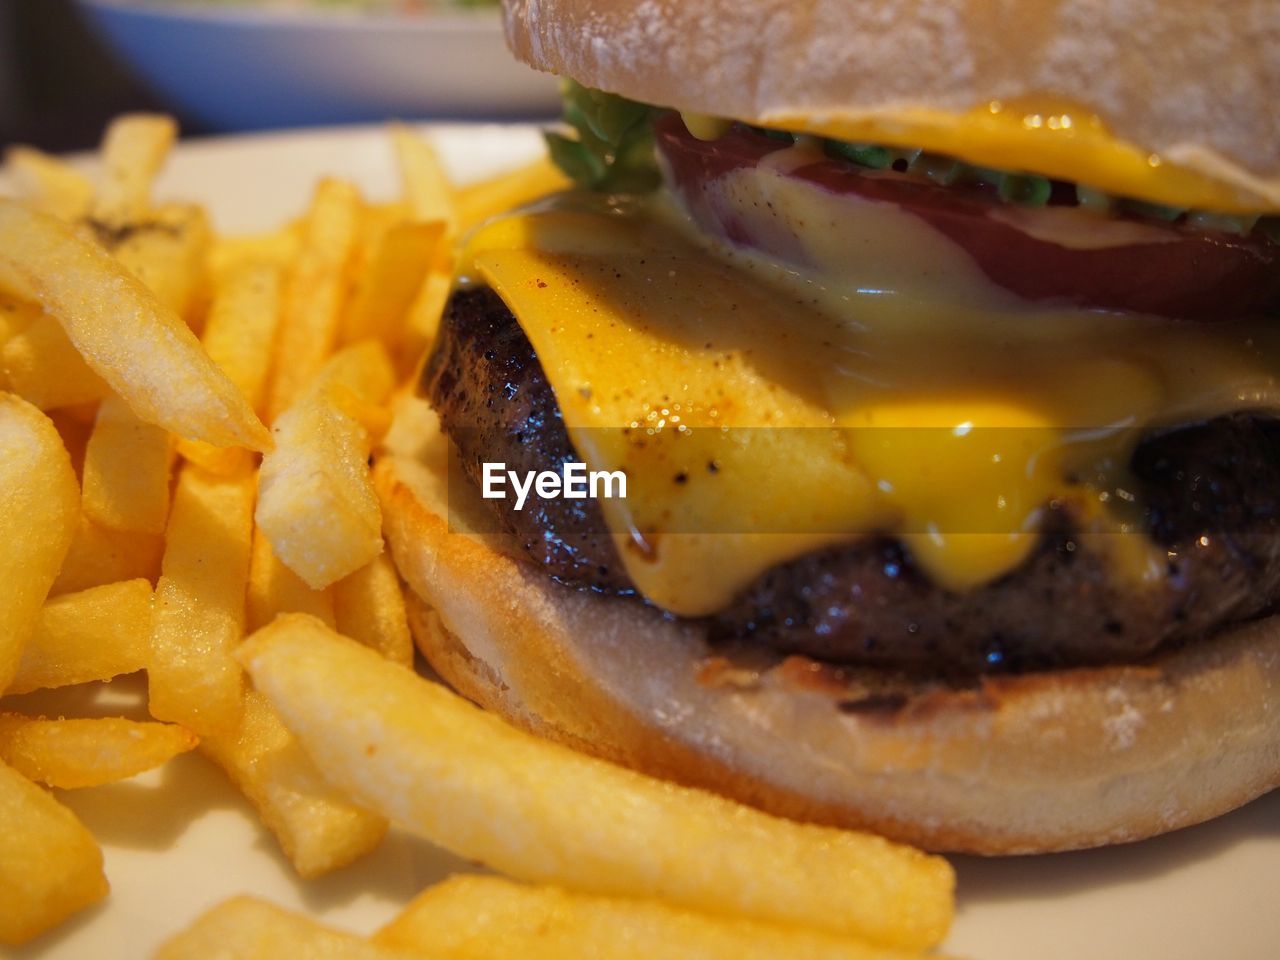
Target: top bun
1195,83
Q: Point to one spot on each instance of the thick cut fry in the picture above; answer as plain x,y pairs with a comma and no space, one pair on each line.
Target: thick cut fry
424,317
249,929
42,366
427,191
317,827
316,502
168,253
200,603
538,811
386,287
87,753
274,249
369,605
126,471
488,918
142,349
39,508
50,866
100,555
315,291
133,150
97,634
275,589
52,185
477,202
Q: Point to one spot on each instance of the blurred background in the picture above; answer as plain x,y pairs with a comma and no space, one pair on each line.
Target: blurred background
224,66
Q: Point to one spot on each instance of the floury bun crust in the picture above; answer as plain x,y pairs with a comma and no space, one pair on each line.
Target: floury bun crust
1195,82
1017,764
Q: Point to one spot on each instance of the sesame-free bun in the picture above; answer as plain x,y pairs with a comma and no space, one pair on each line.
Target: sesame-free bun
1012,764
1195,83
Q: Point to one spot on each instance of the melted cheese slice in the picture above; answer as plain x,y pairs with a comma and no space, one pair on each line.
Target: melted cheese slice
759,417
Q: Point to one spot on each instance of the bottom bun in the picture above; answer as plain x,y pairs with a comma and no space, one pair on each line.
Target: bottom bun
1028,763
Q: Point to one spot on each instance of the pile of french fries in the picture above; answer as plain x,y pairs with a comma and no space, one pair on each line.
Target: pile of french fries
186,423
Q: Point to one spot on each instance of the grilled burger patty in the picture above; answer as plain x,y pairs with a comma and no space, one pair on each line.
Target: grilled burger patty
1210,493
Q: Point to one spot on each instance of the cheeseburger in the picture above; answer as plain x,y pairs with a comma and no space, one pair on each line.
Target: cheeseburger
934,346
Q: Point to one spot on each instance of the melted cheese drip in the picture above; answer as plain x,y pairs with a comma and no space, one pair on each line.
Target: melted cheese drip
761,414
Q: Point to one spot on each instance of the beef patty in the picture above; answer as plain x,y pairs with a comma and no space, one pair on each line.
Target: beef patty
1211,495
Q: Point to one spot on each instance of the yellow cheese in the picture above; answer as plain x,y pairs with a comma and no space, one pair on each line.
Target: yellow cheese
762,415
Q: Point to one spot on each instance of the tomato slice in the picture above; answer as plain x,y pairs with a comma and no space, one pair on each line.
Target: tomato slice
1173,270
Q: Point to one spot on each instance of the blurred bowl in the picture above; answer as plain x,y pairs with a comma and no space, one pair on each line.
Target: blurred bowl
234,67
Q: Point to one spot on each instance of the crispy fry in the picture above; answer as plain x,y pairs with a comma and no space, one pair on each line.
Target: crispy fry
424,317
247,929
168,253
96,634
142,349
38,514
126,471
200,603
387,286
317,827
275,248
100,555
488,918
427,191
42,366
87,753
315,290
50,866
133,150
52,185
539,811
275,589
316,503
477,202
369,605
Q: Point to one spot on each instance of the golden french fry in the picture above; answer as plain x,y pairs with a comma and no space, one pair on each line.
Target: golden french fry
273,249
427,191
317,827
477,202
38,514
315,291
142,349
96,634
247,929
388,284
100,555
315,500
87,753
275,589
50,866
537,811
42,366
369,606
200,603
489,918
133,150
16,316
74,427
51,184
424,316
126,471
168,253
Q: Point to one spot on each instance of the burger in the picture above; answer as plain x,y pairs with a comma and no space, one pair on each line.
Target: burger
935,345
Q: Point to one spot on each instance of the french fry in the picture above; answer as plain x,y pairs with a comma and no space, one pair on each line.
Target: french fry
275,248
537,811
100,555
488,918
96,634
369,607
133,150
200,603
423,322
316,502
87,753
38,514
51,184
275,589
477,202
142,349
427,191
168,253
315,292
15,316
388,284
318,828
41,365
126,471
50,866
74,428
247,929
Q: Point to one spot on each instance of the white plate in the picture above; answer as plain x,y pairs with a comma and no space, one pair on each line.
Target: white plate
240,68
182,839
